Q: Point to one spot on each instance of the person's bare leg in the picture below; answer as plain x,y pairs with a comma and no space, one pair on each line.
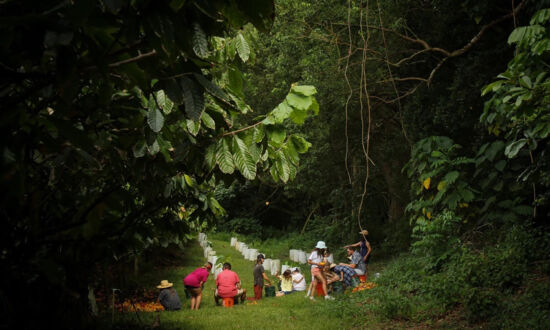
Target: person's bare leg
198,302
324,284
193,301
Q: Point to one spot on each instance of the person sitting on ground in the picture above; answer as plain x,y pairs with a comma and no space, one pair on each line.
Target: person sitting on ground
228,285
357,262
286,282
298,280
317,261
364,249
259,277
194,283
345,273
168,297
330,275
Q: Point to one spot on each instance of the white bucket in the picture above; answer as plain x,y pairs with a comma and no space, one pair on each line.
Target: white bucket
275,265
213,260
233,241
211,253
267,264
206,250
302,257
244,252
243,248
292,254
237,244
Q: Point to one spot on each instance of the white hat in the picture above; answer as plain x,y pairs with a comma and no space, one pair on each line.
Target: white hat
321,245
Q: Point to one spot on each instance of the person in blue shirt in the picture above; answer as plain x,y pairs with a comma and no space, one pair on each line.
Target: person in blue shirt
168,297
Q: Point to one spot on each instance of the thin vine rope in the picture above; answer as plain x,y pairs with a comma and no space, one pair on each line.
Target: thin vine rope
350,90
364,88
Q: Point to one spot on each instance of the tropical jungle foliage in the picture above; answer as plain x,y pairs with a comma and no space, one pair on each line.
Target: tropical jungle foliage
128,126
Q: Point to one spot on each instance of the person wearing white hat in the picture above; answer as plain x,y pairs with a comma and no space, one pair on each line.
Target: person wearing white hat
317,261
168,297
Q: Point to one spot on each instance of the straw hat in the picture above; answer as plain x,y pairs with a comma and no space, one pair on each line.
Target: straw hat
332,266
164,284
364,232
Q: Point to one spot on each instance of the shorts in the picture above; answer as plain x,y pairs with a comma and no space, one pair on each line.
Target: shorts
315,271
194,291
239,292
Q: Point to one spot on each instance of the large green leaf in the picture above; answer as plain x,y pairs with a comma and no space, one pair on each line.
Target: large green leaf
276,135
212,88
224,158
200,44
242,47
243,159
300,143
299,101
208,121
513,148
193,98
210,157
282,165
155,119
279,114
305,90
164,102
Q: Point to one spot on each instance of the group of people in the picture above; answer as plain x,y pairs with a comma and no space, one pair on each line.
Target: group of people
326,272
228,285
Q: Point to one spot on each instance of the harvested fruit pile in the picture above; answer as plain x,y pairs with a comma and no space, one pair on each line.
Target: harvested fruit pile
139,306
364,286
143,301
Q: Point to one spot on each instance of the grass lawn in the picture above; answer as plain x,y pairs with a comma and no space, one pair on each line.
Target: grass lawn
293,311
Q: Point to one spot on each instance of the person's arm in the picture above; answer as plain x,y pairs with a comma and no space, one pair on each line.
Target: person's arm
298,281
369,249
341,276
348,265
353,245
266,278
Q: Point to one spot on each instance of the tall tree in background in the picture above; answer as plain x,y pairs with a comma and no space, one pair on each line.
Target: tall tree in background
118,120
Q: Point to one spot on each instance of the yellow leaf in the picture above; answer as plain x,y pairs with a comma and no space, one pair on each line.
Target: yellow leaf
429,215
441,185
462,205
426,183
180,215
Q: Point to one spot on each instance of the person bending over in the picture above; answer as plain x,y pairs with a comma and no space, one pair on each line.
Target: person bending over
194,283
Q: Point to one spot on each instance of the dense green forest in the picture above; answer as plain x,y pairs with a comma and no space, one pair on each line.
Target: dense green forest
130,126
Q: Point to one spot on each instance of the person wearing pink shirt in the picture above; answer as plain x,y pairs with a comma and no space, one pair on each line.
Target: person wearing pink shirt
228,285
194,282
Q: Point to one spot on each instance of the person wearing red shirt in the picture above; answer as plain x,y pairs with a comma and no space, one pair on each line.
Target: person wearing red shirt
194,282
228,285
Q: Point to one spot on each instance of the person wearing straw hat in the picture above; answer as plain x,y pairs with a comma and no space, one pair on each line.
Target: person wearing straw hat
317,261
364,249
168,297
